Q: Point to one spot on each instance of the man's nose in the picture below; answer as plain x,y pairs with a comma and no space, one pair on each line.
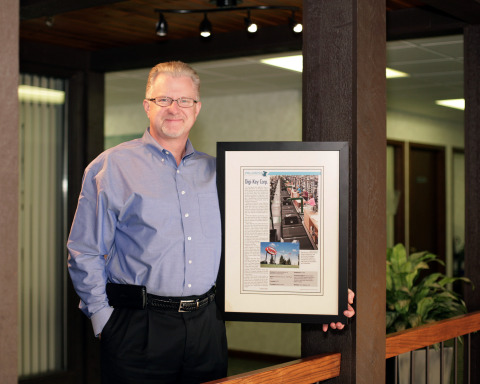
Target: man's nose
174,106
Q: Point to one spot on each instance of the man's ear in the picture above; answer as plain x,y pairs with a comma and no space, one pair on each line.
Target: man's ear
146,106
198,106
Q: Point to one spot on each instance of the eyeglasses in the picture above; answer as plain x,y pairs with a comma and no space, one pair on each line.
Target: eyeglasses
164,101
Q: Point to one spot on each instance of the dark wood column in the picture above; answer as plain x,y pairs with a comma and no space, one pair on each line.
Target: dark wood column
344,100
9,190
472,180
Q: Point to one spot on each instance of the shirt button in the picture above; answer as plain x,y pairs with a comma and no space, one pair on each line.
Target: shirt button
189,285
178,171
183,192
167,152
186,215
163,160
189,261
189,238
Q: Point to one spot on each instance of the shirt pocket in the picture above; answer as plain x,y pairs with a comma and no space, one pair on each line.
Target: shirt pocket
209,214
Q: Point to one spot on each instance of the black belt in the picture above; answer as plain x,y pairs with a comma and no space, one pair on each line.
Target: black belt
136,296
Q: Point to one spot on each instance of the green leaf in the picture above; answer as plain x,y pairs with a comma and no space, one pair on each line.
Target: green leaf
398,256
425,305
402,306
449,280
414,320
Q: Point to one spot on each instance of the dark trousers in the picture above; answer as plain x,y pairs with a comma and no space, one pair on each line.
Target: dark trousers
149,346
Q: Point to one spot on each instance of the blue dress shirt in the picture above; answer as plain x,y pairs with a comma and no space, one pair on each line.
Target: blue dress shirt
143,220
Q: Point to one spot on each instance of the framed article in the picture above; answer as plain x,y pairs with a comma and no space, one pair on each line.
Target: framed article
284,208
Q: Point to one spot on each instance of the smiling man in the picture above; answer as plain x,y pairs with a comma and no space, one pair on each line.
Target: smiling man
144,247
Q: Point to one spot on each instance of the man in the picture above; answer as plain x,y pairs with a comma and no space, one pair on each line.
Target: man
145,244
150,206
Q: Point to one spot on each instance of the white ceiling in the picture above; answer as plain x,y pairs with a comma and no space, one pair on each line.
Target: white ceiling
435,66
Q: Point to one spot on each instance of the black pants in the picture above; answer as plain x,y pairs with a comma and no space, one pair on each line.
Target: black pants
148,346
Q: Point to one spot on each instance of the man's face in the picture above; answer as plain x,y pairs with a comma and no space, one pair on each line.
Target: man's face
168,124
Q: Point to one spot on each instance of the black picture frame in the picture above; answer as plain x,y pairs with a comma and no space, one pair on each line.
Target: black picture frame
313,287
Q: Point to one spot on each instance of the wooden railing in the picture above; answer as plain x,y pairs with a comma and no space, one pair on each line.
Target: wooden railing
425,335
323,367
303,371
421,339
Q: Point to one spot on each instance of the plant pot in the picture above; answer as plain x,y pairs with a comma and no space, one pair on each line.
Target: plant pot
419,366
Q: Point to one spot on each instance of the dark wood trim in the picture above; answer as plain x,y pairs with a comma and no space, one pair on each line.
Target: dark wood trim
441,195
86,138
472,179
52,60
32,9
342,92
76,322
95,94
417,22
465,10
369,198
399,184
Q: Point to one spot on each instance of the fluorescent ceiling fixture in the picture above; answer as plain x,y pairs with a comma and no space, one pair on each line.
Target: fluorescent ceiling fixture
29,93
392,73
452,103
294,63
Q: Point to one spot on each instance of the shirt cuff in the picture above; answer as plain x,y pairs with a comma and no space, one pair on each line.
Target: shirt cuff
100,318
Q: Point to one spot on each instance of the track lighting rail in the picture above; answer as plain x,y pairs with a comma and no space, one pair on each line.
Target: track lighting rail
230,8
206,26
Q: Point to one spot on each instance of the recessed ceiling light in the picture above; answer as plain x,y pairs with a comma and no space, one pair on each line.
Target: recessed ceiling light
452,103
393,73
295,63
30,93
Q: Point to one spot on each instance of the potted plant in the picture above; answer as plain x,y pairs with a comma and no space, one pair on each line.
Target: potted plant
414,301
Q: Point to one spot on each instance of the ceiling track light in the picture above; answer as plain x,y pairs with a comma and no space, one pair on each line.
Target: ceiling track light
296,26
226,3
161,29
226,6
251,27
205,27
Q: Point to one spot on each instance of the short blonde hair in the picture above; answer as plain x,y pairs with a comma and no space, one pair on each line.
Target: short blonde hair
174,69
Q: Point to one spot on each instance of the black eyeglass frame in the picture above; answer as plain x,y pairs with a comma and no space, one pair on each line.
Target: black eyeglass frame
154,99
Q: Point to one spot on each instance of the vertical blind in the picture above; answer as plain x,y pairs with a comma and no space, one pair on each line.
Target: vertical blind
42,225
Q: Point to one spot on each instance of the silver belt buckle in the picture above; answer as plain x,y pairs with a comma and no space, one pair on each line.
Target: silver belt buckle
183,302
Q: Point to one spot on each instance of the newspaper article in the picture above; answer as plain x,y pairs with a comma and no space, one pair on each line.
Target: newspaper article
282,230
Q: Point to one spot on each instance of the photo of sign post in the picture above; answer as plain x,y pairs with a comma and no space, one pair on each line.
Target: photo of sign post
279,255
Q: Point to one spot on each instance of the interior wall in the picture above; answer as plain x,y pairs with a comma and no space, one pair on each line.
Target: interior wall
258,117
277,117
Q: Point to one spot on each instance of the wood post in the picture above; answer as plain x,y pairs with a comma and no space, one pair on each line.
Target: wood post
344,99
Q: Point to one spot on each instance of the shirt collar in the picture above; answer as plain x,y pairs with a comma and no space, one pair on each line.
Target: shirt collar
153,145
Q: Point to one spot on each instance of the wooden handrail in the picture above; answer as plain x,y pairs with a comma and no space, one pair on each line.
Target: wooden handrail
303,371
420,337
327,366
